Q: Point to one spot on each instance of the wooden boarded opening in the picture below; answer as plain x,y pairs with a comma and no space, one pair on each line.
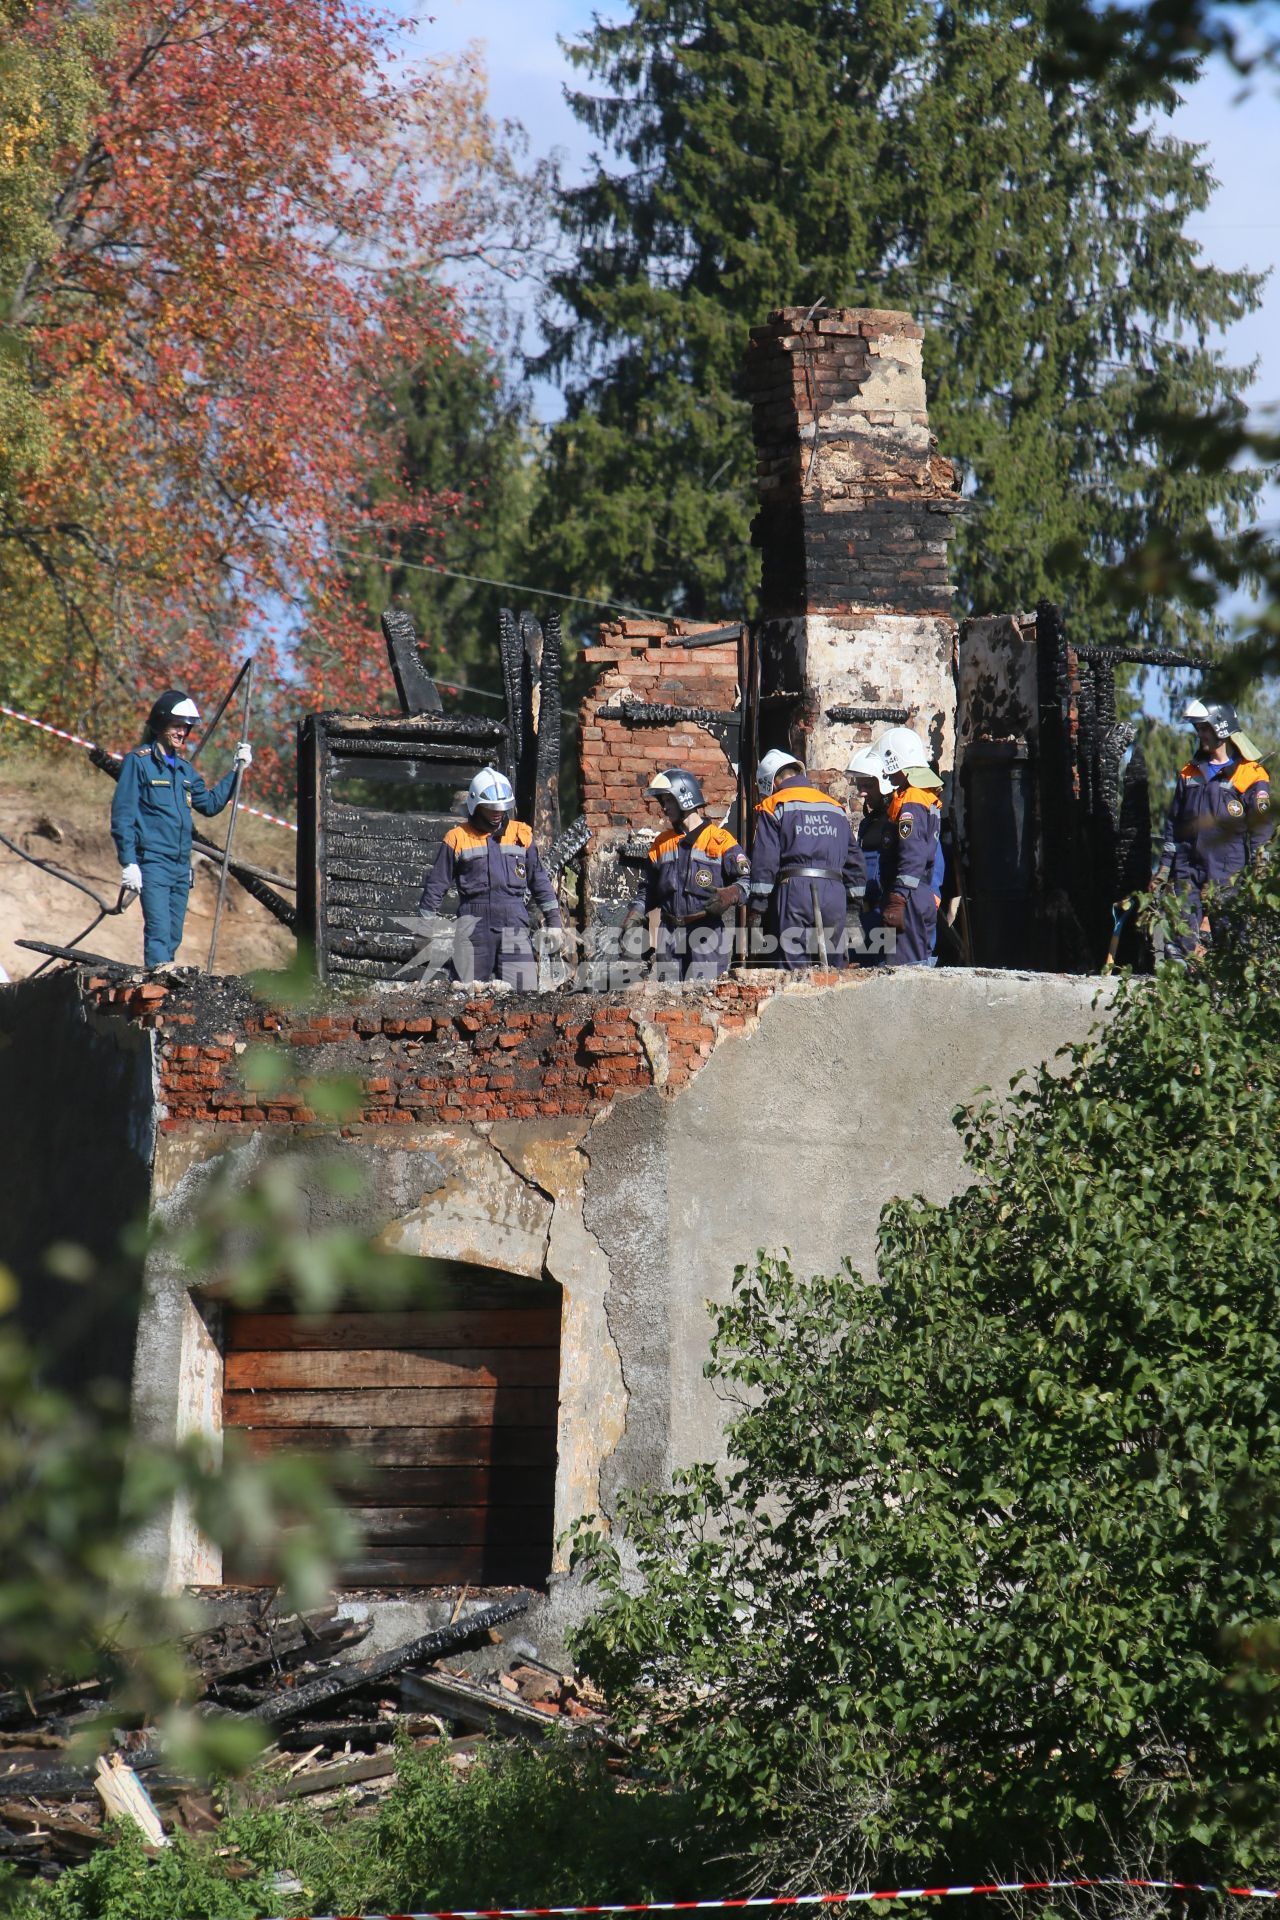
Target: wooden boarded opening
441,1421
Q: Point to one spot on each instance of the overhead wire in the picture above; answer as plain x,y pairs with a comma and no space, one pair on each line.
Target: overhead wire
482,580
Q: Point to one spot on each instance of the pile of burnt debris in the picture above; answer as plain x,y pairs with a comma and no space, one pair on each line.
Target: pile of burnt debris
335,1721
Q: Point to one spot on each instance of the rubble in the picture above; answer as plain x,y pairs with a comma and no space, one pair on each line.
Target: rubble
287,1671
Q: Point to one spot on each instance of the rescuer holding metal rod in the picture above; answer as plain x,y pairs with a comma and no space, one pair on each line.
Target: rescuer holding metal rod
909,905
151,824
494,863
807,869
695,876
1219,821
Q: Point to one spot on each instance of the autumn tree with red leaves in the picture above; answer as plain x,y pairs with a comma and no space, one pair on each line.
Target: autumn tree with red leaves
240,251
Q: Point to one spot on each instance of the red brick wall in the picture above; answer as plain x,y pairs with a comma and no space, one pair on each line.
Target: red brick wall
616,760
454,1060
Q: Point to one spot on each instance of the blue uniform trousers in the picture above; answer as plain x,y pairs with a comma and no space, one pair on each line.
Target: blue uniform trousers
791,920
483,952
914,941
166,889
700,952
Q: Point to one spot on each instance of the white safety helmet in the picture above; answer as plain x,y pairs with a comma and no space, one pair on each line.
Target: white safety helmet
491,789
172,705
901,749
771,766
867,764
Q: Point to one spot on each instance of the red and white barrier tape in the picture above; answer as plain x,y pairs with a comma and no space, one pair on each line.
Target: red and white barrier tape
78,740
798,1900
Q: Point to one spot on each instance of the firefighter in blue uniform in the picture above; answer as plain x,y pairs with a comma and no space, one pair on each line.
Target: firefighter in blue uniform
151,821
909,905
1219,821
493,862
807,869
874,788
696,875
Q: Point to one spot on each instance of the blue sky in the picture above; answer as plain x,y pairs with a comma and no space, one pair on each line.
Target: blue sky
528,71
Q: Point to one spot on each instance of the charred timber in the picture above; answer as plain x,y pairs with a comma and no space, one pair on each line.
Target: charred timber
417,690
852,716
546,782
1142,657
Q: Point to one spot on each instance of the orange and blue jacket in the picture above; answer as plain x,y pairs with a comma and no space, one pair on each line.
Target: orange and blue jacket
803,833
494,875
684,870
906,861
1219,819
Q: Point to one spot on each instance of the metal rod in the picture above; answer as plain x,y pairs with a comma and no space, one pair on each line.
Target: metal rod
819,924
231,824
227,698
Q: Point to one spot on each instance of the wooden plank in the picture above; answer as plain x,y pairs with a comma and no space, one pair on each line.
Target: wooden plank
411,1446
463,1486
481,1325
384,1527
384,1367
393,1407
448,1567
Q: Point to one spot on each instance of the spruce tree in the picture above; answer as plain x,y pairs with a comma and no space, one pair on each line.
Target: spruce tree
465,440
884,153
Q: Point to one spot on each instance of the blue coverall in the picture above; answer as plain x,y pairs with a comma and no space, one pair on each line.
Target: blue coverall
494,874
907,869
151,826
683,872
804,843
1220,818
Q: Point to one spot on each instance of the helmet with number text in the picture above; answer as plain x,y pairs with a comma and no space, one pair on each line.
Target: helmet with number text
678,784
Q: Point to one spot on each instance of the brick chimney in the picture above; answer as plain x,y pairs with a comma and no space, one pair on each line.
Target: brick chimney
856,510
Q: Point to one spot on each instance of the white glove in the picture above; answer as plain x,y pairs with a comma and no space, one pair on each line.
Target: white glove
131,877
244,754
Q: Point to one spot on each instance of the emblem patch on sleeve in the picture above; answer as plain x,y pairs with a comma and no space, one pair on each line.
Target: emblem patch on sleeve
1263,803
906,827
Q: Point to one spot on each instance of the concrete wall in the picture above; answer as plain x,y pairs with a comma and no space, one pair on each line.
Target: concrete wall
770,1113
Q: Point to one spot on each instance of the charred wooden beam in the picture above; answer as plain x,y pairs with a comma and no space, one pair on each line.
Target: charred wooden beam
1142,657
292,1703
569,845
546,775
725,725
512,653
858,716
716,639
417,690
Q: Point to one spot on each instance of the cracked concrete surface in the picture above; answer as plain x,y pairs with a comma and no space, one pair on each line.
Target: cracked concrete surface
793,1133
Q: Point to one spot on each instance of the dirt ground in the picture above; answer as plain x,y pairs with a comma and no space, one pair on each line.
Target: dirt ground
57,806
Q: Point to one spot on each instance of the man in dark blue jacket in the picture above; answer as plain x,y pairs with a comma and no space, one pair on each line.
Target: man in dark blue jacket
494,864
908,876
151,820
695,877
807,869
1220,819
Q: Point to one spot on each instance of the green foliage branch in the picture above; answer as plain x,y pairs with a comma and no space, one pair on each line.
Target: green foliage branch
985,1582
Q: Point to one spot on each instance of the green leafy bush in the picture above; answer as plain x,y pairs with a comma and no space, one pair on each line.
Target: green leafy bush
980,1586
